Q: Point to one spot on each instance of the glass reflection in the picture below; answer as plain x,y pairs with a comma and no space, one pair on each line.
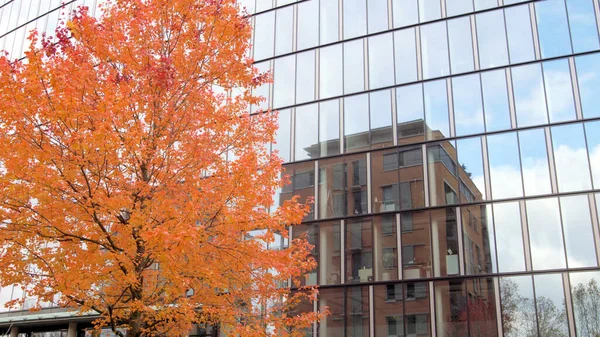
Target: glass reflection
359,251
520,37
302,183
410,114
402,309
357,311
442,172
579,237
481,303
557,80
330,81
588,78
264,34
505,166
434,49
470,170
386,249
582,21
329,128
283,81
585,294
530,99
553,30
307,125
592,133
509,240
436,109
478,239
380,106
468,112
451,308
550,305
545,234
283,137
456,7
356,122
326,239
461,46
343,186
416,245
570,158
429,10
495,100
354,78
328,14
381,61
308,25
491,39
518,306
534,161
263,90
405,54
405,13
284,21
332,299
305,76
378,15
355,18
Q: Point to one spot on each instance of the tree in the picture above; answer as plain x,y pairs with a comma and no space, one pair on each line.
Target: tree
115,192
586,304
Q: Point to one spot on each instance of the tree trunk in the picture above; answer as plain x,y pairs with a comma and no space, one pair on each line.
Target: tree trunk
135,325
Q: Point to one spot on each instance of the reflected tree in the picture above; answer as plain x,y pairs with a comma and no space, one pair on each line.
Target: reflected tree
586,303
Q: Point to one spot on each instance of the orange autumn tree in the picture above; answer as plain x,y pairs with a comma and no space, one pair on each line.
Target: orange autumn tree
130,184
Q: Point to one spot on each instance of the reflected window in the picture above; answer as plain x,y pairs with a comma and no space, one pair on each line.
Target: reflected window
588,78
307,136
283,137
333,300
381,61
470,170
534,162
582,21
577,226
330,81
553,30
305,76
491,39
461,46
328,21
359,251
354,77
509,240
442,171
520,37
343,186
592,133
570,158
284,27
385,244
436,109
505,166
357,311
405,13
495,100
410,114
481,303
264,34
478,239
451,307
416,245
308,25
356,122
302,183
283,81
468,112
403,308
355,18
545,234
557,81
405,55
329,127
326,239
378,15
434,50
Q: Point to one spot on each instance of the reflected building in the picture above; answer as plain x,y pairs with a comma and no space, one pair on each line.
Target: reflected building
452,149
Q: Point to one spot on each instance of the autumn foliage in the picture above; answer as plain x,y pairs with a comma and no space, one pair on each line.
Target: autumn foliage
131,175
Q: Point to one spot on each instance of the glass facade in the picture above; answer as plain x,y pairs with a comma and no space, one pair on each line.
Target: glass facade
452,148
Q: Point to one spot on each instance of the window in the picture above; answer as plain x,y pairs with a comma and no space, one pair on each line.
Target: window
530,100
390,161
378,15
553,30
394,326
408,255
329,21
406,55
355,18
394,292
389,258
330,81
359,177
406,195
417,324
406,220
388,226
434,50
520,37
381,60
305,77
416,291
410,158
405,13
451,197
360,202
491,39
461,46
390,198
304,180
284,28
264,31
354,77
308,24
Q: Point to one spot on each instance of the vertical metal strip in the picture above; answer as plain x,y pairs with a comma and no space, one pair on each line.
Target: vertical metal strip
575,85
369,183
316,191
371,311
525,233
340,20
390,8
461,250
341,114
343,251
432,309
486,168
394,117
511,101
450,106
474,42
595,224
443,8
293,134
569,303
419,61
534,31
425,174
315,309
498,306
295,29
271,86
317,72
366,64
399,245
550,154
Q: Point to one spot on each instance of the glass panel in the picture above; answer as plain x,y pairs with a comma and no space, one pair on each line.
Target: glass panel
495,100
478,240
356,122
405,13
534,161
592,132
283,138
416,245
357,311
445,248
329,21
545,234
354,77
429,10
332,325
264,33
405,55
302,184
284,81
263,90
381,61
582,21
517,302
585,294
505,167
588,78
520,37
262,5
451,308
434,50
325,237
410,114
579,237
481,304
553,30
389,305
343,186
470,170
442,168
456,7
284,27
330,81
461,46
385,244
380,103
570,157
436,110
468,112
355,18
530,99
559,93
485,4
329,127
550,305
378,15
359,250
308,25
305,76
509,240
491,39
307,126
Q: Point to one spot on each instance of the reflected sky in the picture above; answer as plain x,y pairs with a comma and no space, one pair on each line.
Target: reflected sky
381,61
468,112
491,38
284,26
530,99
509,241
495,100
534,161
545,234
436,108
305,72
461,46
579,237
469,156
405,55
354,77
505,167
355,18
582,21
553,30
588,78
557,80
592,133
570,157
520,37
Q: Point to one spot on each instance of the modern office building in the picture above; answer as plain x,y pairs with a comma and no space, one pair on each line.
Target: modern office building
452,148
